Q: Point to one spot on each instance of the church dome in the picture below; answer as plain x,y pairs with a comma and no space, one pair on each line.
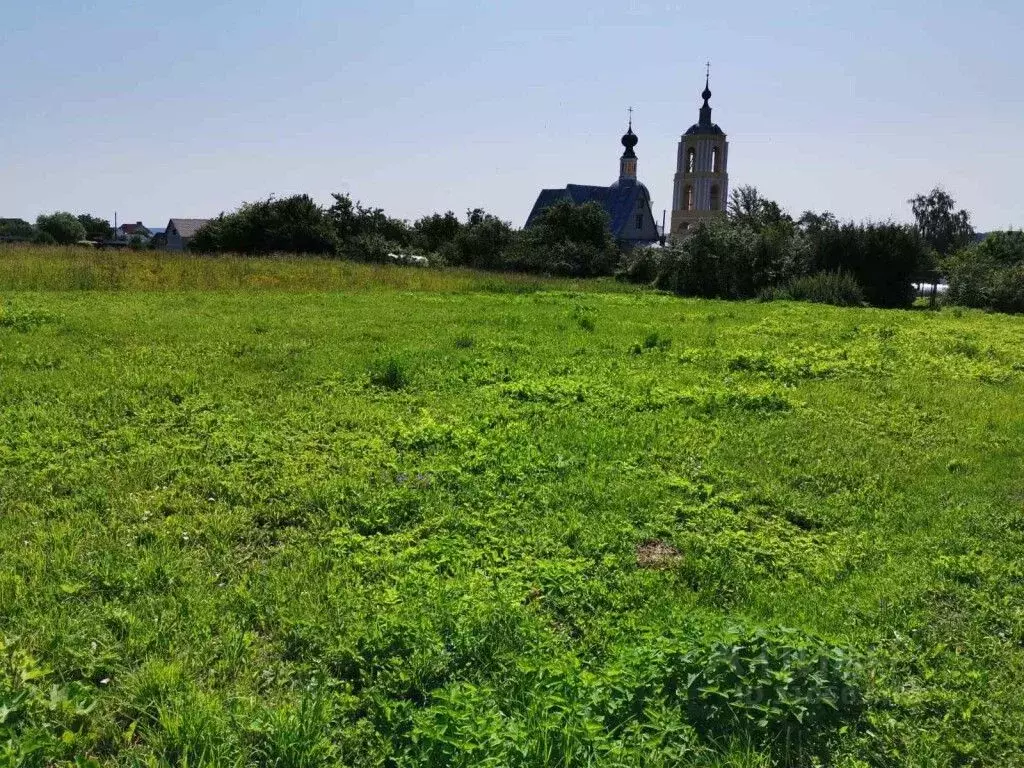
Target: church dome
698,128
629,139
630,183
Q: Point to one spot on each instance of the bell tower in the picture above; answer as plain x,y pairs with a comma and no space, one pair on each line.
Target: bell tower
701,184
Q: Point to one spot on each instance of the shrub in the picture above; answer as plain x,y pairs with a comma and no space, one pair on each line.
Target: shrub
348,220
989,275
715,261
64,228
483,243
390,374
838,288
777,689
882,258
436,232
640,265
567,239
290,225
777,685
16,229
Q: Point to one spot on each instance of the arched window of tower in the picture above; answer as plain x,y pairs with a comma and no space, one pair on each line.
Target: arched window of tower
691,160
716,198
688,198
715,159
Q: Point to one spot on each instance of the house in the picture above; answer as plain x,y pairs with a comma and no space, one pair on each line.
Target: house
627,201
181,231
128,231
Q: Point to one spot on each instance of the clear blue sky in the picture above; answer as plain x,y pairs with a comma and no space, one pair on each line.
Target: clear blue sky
187,109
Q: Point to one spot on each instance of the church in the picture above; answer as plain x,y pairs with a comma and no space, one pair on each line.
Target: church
627,201
699,191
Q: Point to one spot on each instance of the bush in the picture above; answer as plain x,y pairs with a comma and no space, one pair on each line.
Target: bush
64,228
882,258
16,229
838,288
780,685
390,374
716,261
567,239
989,275
290,225
640,265
483,243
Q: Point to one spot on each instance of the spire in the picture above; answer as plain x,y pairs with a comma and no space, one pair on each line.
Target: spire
629,139
705,111
627,164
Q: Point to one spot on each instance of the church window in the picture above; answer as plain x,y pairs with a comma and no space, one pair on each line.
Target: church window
639,220
716,199
688,198
691,160
715,161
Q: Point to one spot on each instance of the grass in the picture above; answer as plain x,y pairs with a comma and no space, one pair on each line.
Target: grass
420,519
32,268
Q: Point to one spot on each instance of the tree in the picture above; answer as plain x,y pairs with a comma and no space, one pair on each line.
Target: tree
95,227
943,228
63,227
811,223
748,208
436,232
990,274
483,242
569,239
294,224
352,220
16,229
883,258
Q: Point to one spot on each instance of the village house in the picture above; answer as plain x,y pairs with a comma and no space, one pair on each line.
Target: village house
181,231
128,231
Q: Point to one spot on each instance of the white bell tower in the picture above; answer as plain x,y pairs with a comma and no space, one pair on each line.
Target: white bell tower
701,185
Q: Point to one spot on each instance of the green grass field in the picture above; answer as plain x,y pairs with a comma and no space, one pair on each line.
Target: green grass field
294,513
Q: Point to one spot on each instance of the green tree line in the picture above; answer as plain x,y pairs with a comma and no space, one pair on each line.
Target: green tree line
758,250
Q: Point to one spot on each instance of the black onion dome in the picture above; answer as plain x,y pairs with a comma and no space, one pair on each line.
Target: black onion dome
629,139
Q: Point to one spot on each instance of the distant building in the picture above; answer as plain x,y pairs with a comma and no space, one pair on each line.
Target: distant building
627,201
181,231
128,231
701,185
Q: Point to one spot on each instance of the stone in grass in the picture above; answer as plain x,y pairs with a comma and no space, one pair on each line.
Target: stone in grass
656,554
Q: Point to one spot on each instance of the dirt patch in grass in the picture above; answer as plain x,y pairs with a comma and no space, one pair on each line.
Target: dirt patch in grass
656,554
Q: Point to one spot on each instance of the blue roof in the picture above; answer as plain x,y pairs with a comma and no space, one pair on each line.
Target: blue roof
619,200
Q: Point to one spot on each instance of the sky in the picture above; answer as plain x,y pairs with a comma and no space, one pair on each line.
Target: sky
186,109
